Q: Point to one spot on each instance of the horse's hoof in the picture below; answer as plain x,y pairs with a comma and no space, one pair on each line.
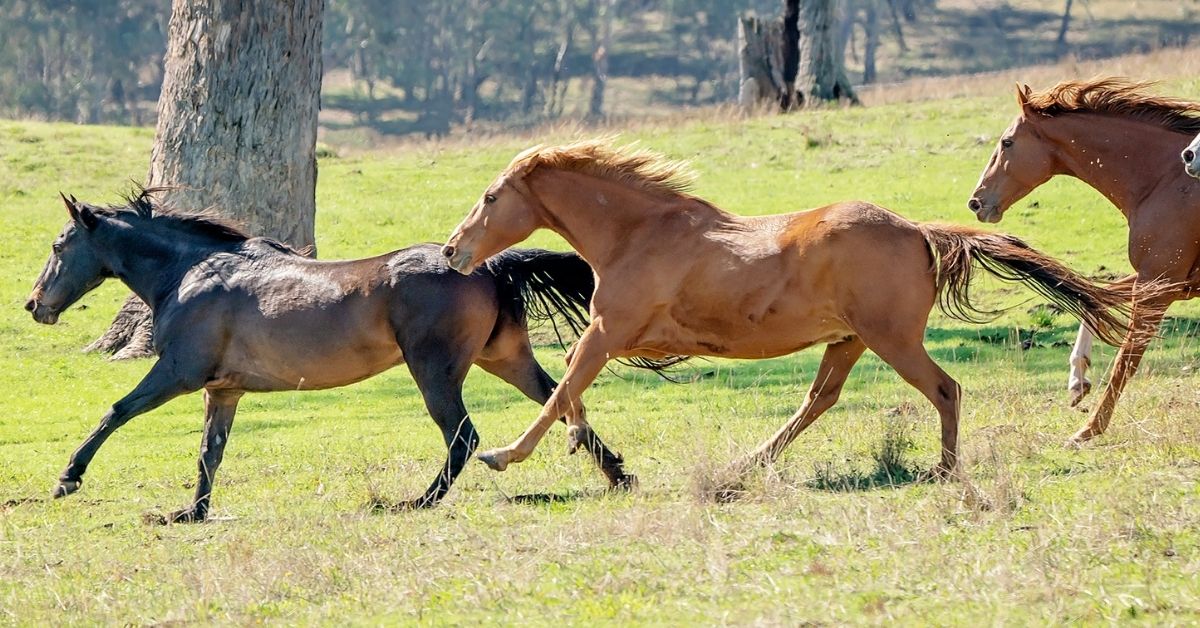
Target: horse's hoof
408,505
626,483
187,515
1077,441
495,459
940,473
729,494
66,487
1077,394
575,436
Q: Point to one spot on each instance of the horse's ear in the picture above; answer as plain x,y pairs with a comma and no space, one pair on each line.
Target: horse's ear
88,218
1024,94
71,209
81,214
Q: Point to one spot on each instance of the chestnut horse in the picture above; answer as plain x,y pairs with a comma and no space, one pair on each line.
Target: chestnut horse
678,276
1124,142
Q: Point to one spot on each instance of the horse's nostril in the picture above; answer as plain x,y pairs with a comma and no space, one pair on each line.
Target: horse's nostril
974,205
1189,156
29,305
448,251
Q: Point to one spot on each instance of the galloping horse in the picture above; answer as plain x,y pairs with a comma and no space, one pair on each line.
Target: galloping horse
236,314
677,275
1123,142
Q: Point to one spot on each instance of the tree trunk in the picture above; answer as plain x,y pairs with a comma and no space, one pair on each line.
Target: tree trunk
237,126
872,44
897,27
1061,42
821,76
791,53
604,13
760,62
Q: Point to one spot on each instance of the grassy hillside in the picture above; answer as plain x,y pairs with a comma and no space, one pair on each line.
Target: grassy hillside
1037,533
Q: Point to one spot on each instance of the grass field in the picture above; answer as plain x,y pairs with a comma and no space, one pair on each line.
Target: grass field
1035,534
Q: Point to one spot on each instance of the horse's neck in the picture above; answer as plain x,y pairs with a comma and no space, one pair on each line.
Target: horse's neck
596,215
151,263
1125,160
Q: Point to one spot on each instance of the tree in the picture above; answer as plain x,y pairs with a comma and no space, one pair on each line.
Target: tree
237,125
793,60
821,76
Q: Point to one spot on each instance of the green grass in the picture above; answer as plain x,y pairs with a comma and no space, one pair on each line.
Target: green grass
1036,534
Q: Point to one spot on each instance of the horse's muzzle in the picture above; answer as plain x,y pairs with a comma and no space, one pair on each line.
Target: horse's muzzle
41,313
457,260
982,212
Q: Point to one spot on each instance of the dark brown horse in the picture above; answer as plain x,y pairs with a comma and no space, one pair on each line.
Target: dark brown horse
236,314
1124,142
676,275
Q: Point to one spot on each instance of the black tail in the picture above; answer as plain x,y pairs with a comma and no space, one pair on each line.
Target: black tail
541,286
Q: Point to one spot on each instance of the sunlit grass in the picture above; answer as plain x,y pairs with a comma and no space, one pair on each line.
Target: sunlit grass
1033,533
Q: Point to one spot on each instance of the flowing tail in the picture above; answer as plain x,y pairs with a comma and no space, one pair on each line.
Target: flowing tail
543,286
1105,307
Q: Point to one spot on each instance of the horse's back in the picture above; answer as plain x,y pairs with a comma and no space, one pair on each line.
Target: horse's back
285,321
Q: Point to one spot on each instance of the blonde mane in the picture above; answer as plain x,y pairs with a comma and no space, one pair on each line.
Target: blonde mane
637,167
1118,97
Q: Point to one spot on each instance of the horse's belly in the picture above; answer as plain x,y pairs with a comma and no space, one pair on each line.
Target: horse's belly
308,363
774,335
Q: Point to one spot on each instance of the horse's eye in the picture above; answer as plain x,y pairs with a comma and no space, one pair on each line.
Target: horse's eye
489,198
56,247
1006,142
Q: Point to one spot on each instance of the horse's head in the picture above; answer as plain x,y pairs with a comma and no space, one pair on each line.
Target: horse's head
1191,158
507,213
1023,160
73,269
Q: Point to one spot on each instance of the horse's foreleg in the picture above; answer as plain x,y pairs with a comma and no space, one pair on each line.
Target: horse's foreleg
162,384
1146,319
439,368
591,354
219,408
1081,358
522,371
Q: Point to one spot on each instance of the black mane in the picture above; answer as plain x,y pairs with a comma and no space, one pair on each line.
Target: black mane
206,223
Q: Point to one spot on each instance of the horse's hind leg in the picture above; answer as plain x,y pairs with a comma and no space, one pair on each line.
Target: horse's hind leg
522,371
912,362
836,364
219,408
439,369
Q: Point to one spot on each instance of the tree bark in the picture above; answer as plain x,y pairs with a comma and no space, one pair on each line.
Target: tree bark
604,14
760,61
871,48
791,53
237,126
821,76
897,27
1061,42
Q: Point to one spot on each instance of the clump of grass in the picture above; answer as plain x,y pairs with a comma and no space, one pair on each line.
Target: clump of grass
891,468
